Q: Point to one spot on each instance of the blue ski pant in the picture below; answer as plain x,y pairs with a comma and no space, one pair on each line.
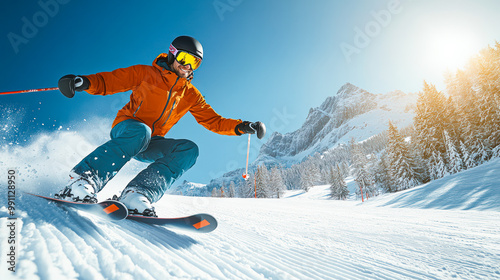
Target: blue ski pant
169,159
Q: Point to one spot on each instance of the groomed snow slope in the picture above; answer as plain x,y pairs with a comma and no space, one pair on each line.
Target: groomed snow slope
303,236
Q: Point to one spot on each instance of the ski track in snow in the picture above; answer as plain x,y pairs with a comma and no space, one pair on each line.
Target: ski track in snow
292,238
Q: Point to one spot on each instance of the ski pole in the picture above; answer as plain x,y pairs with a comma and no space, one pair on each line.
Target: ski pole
245,176
28,90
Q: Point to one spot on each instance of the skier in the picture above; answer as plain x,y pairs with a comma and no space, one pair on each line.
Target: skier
161,95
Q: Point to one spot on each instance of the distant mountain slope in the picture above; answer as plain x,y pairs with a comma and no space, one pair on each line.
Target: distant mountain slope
351,113
189,189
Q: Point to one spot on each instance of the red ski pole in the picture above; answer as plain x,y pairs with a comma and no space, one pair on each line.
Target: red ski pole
28,90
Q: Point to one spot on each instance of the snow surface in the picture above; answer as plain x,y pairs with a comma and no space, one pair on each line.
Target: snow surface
447,229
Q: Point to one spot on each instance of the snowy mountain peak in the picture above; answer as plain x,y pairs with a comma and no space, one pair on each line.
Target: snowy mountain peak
347,93
349,88
329,109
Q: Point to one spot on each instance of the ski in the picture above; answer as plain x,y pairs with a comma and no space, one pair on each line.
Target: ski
197,223
109,209
114,210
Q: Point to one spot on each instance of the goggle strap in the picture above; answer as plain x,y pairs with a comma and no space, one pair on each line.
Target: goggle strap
173,50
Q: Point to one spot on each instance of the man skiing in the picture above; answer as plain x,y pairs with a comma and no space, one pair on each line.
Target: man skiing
161,95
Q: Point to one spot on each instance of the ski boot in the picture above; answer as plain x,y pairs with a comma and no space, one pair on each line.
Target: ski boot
137,203
78,189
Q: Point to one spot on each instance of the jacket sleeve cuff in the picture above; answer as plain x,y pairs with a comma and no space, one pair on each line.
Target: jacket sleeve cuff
237,131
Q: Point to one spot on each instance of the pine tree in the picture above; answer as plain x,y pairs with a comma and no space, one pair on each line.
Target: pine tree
332,180
489,120
232,190
470,120
476,153
382,175
487,85
372,189
362,175
437,167
455,163
214,192
453,124
466,158
222,193
291,177
305,178
344,169
460,87
338,186
276,184
247,187
309,175
430,121
401,165
421,170
262,182
496,152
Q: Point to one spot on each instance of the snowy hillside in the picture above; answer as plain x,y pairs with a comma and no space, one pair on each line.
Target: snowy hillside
351,113
303,236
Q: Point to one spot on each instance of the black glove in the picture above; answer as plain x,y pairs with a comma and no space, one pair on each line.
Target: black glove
71,83
251,128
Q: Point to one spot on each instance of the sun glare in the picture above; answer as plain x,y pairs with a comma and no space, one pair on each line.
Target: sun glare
450,47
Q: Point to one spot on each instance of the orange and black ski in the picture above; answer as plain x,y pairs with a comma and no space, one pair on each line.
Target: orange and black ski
115,210
109,209
197,223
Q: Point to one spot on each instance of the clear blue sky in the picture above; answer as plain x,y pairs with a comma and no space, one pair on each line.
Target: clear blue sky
264,60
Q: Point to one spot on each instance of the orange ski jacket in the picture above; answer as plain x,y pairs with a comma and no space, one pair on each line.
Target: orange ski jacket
159,98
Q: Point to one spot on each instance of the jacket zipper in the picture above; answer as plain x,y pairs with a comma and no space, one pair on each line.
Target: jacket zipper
173,106
171,109
166,105
137,109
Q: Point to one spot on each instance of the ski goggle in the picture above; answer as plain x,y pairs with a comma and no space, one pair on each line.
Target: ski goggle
185,58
